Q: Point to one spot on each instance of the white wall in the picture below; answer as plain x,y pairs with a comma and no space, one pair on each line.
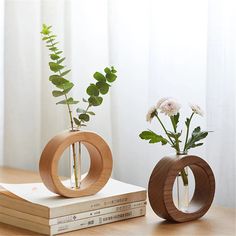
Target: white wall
22,84
1,78
221,98
159,51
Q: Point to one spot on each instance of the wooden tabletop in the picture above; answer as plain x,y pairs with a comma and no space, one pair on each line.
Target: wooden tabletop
218,221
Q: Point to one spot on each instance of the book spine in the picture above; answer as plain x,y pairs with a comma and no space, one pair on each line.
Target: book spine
97,220
98,204
107,210
42,211
69,218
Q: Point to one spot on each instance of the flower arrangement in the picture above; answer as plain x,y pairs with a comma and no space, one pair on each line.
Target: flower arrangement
63,86
170,107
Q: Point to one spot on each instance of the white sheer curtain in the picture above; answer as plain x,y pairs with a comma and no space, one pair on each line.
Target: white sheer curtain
1,79
185,49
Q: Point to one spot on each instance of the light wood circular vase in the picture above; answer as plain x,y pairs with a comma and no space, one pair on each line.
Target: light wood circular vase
100,163
161,183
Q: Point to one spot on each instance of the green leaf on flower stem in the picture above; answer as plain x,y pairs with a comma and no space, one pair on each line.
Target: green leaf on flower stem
54,56
61,60
103,87
95,101
77,122
174,135
45,38
55,67
68,101
84,117
197,135
65,72
99,77
187,122
92,90
79,110
91,113
176,119
153,137
111,77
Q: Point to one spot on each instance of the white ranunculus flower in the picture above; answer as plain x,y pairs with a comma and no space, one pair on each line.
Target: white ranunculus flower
161,101
196,109
170,107
150,114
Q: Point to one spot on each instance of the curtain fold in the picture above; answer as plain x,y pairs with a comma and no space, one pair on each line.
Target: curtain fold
1,79
185,49
221,98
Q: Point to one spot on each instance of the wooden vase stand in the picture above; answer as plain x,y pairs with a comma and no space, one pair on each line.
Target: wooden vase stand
100,163
161,184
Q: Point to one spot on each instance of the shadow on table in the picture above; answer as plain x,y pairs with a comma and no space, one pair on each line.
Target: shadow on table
196,227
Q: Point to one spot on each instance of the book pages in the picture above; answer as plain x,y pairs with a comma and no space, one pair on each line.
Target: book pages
37,193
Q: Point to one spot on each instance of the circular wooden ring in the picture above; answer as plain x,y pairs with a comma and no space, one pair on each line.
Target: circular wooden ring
100,163
161,184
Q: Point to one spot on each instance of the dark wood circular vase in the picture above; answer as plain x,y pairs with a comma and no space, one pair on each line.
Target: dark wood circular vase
161,184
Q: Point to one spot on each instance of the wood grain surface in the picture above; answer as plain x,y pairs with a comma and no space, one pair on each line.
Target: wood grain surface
218,221
100,163
161,184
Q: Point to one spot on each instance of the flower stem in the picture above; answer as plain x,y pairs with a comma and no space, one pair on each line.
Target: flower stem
175,131
164,129
187,134
184,177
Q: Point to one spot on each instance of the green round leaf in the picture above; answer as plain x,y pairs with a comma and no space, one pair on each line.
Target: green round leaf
99,77
111,77
84,117
92,90
107,70
95,101
113,70
103,87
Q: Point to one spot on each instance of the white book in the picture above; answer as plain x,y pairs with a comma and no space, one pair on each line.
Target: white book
72,217
36,199
76,225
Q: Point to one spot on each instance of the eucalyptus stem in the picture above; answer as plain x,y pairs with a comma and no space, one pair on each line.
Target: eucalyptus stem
75,166
72,128
68,105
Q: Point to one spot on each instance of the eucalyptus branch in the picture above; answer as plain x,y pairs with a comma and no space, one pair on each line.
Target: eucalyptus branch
66,98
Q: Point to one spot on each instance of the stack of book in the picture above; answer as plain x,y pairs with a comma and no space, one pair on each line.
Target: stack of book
33,207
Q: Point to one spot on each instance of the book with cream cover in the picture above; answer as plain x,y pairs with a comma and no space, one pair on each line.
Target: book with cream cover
36,199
